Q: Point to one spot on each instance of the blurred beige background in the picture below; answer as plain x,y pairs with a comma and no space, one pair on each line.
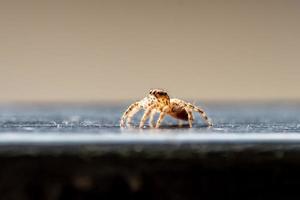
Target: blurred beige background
92,50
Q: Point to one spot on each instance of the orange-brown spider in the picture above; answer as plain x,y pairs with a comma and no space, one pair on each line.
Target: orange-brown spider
159,101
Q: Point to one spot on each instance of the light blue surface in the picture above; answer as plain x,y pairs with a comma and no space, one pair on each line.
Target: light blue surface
129,138
102,119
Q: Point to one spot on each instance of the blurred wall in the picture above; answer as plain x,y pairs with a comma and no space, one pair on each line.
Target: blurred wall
114,50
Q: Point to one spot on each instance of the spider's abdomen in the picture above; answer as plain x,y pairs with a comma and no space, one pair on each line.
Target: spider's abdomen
180,114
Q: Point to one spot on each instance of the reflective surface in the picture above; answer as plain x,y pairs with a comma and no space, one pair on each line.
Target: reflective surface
100,119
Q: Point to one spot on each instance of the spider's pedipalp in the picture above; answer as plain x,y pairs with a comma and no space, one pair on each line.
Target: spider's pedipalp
180,123
131,110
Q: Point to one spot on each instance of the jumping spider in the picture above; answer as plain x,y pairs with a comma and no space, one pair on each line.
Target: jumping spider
159,101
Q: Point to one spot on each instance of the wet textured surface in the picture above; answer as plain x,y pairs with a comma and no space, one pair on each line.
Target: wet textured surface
99,119
95,128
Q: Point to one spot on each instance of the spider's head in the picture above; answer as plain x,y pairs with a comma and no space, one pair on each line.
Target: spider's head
161,95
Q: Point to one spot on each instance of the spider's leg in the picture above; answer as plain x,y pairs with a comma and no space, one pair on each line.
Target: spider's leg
151,119
132,113
160,119
146,115
131,110
201,112
190,117
163,113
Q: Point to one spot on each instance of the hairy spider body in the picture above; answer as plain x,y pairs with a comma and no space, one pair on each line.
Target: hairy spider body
159,101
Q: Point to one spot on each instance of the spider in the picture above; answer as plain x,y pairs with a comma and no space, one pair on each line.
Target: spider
159,101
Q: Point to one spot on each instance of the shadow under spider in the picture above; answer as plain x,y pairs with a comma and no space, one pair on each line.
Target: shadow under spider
170,126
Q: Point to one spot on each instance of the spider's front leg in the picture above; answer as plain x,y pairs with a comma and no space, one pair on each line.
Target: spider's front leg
151,119
160,119
162,116
132,113
131,110
146,115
